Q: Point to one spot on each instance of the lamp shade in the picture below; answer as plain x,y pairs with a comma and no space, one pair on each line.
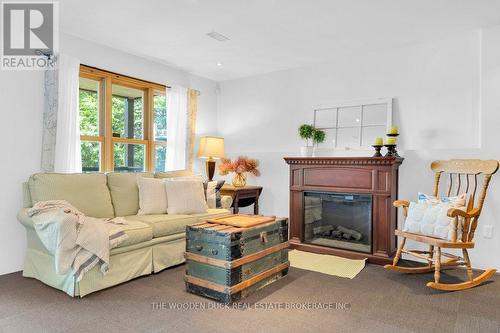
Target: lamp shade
211,147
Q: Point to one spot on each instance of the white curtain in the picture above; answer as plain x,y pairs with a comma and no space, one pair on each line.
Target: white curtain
177,128
67,155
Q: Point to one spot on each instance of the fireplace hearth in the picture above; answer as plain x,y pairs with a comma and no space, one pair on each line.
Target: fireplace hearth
343,206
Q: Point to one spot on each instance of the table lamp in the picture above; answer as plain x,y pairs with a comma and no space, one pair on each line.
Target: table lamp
211,148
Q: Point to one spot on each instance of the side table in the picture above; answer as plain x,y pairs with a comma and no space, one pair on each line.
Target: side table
243,196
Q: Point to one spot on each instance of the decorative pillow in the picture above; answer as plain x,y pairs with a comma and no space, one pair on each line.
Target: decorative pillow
152,196
212,193
431,220
212,189
457,201
185,197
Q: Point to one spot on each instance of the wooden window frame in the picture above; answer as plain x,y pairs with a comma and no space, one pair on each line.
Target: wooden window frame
105,138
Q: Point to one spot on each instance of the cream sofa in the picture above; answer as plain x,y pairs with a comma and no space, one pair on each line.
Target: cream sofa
154,242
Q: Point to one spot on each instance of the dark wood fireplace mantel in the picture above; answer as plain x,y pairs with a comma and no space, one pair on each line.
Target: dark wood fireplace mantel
377,176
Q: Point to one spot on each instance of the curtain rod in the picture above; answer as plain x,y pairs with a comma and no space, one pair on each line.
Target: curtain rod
49,54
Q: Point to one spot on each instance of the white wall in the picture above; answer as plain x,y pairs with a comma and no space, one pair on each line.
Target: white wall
21,96
447,104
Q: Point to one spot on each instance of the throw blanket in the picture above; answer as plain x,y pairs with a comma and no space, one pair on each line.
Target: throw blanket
76,241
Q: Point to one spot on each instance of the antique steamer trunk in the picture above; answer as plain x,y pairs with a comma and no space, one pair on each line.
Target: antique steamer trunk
227,262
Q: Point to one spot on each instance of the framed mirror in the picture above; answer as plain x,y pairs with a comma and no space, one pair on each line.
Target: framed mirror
353,124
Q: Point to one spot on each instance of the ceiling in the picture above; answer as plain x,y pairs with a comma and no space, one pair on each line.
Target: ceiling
266,35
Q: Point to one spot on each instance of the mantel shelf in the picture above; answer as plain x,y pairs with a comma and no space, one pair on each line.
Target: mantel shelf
345,160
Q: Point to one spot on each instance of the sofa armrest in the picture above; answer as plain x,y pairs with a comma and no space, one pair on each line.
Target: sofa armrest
25,220
226,201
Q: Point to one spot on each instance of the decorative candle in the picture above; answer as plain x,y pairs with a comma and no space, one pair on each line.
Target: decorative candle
393,130
378,142
390,141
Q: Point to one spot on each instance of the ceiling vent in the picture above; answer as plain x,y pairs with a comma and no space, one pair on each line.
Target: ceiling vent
217,36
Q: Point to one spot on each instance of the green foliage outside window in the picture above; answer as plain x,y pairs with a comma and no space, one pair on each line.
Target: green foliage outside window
89,125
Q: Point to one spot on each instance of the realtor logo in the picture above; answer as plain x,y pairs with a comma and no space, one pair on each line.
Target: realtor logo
29,35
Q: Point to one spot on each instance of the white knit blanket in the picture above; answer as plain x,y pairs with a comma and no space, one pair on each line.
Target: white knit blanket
77,242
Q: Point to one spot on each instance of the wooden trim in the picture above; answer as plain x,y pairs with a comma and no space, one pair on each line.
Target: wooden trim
108,120
344,160
259,277
237,262
91,76
240,286
91,138
130,141
206,284
93,71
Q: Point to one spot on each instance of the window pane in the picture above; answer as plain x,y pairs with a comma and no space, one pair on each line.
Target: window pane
129,157
127,112
161,155
89,107
350,116
329,142
91,156
375,114
370,133
160,117
326,118
348,138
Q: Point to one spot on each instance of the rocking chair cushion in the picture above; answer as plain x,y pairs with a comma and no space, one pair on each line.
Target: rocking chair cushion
430,220
457,201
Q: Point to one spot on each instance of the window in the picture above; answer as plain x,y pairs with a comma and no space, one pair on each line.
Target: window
353,124
122,122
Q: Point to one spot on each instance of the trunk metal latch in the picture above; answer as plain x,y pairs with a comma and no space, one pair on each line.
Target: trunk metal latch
263,237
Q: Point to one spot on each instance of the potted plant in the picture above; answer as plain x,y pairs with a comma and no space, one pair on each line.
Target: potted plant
241,167
318,137
306,132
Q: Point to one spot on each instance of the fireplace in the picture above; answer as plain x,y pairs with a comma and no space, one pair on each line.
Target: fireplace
343,206
338,220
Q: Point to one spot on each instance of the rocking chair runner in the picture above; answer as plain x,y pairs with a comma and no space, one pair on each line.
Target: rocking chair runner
463,178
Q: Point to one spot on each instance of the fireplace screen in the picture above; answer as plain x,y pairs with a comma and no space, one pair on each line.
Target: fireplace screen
340,220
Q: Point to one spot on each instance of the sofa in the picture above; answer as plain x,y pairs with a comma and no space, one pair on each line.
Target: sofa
154,242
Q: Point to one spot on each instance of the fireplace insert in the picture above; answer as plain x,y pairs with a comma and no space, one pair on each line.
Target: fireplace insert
338,220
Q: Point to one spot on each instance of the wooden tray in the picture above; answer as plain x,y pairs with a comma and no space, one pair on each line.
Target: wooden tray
242,221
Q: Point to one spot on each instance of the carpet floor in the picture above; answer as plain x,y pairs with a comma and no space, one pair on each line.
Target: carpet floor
374,301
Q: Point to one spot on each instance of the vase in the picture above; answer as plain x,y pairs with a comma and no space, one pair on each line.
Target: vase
239,180
306,151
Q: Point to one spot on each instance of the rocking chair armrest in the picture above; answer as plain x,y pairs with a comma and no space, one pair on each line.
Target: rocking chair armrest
454,212
401,203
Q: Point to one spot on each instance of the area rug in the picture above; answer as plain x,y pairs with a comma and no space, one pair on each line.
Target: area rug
326,264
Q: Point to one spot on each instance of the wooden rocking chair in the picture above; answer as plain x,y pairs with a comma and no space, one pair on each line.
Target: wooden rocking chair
463,177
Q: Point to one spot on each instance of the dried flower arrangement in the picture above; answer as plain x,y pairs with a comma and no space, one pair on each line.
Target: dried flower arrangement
240,166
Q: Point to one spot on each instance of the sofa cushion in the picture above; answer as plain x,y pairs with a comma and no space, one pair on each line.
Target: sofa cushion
173,174
87,192
152,196
124,191
185,197
137,232
163,224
